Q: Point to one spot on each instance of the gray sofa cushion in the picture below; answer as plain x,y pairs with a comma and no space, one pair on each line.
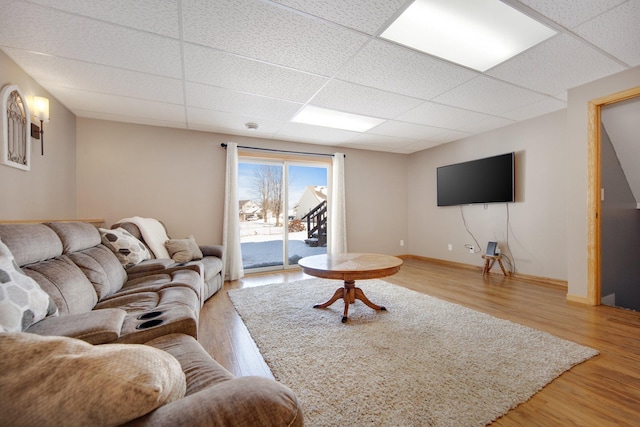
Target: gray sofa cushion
31,243
75,236
214,395
70,289
178,307
102,268
94,327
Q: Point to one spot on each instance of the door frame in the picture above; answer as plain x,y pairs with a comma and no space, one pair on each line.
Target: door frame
594,178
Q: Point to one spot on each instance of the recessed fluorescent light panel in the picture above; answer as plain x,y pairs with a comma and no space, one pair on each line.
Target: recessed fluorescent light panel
335,119
478,34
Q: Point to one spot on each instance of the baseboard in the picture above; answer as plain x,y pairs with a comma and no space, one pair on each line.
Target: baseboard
578,299
546,280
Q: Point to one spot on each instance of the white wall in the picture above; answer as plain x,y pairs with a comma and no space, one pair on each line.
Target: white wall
48,190
537,220
177,176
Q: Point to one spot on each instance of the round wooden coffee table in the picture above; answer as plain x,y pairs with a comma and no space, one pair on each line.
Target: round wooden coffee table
350,267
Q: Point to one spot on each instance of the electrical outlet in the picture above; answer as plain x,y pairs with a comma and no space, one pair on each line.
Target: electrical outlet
450,246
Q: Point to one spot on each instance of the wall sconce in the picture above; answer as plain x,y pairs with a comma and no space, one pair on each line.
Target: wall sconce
40,112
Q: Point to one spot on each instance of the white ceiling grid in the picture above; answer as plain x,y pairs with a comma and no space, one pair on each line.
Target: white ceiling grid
214,65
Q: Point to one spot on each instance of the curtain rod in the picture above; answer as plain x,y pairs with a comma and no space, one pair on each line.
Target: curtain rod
223,145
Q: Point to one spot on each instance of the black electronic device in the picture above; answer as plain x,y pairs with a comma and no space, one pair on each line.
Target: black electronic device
488,180
491,249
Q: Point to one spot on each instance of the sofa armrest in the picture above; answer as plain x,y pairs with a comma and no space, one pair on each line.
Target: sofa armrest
243,401
94,327
212,250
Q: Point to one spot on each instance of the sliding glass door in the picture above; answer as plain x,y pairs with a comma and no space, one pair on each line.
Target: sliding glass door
283,215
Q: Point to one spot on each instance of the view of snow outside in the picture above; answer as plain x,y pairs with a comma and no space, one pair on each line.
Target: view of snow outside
262,242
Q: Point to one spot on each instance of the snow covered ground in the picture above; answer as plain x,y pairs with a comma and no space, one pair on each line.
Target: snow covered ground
262,245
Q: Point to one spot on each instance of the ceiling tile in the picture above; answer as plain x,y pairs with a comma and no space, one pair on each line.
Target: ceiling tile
448,136
270,33
217,121
156,16
382,140
485,125
416,146
94,103
616,31
394,68
488,95
217,68
58,72
556,64
570,13
367,16
404,130
76,37
124,118
442,116
547,105
378,143
353,98
314,134
213,98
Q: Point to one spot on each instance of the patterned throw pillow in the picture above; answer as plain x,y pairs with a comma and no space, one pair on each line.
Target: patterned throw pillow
22,301
129,250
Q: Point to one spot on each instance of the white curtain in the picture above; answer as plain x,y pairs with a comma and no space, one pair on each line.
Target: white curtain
337,217
232,259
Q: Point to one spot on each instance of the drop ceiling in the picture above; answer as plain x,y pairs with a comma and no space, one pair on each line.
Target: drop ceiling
215,65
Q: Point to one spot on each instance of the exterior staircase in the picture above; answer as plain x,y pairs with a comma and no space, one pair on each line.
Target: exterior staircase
317,225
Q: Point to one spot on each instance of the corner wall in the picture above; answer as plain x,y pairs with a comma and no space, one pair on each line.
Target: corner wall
577,173
48,190
537,221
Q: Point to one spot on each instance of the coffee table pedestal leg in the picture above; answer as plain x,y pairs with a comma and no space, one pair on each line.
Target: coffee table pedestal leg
349,293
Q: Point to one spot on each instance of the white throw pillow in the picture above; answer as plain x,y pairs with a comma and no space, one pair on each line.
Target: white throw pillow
129,250
50,381
22,300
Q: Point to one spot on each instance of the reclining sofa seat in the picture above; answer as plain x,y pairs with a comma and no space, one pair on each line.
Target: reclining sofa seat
96,300
99,303
211,264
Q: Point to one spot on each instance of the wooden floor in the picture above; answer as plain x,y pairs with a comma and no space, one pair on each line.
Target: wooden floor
603,391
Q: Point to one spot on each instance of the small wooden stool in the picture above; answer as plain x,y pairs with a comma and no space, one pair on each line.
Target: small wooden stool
489,260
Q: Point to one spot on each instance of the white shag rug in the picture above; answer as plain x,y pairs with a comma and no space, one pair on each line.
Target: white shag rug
424,362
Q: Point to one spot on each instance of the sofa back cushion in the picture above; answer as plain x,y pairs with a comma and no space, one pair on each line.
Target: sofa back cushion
30,243
76,236
70,289
102,268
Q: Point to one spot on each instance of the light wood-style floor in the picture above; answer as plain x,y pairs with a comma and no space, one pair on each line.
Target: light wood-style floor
603,391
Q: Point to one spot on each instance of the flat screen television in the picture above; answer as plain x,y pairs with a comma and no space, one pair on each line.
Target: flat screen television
488,180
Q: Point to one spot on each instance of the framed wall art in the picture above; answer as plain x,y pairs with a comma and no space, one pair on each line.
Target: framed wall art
15,127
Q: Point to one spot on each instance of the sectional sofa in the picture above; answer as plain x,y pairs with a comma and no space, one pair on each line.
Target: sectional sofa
103,329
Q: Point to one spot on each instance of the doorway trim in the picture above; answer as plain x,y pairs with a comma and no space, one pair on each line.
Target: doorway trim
594,177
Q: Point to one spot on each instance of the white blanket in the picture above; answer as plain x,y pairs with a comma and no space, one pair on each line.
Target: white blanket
153,233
